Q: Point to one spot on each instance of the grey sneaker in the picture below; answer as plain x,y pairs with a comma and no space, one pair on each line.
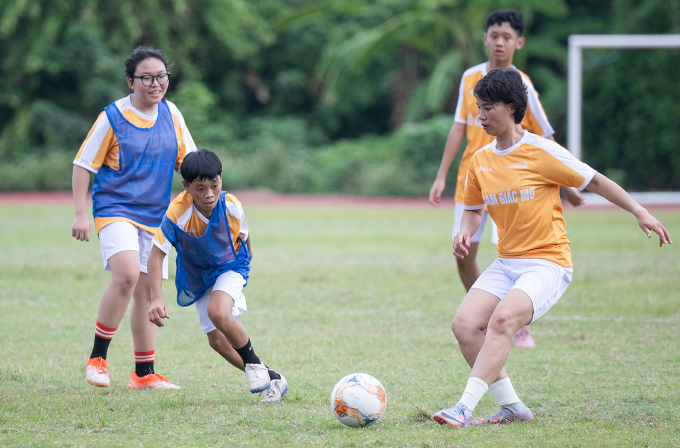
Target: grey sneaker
457,416
258,377
276,391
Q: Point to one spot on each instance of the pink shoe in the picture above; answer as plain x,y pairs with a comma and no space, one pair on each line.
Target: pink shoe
505,416
524,339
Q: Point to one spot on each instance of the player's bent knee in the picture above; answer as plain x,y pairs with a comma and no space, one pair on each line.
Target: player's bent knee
502,324
126,280
221,315
463,325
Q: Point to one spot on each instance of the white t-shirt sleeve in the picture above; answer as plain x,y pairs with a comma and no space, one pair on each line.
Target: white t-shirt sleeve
93,144
187,139
236,211
537,111
459,104
165,246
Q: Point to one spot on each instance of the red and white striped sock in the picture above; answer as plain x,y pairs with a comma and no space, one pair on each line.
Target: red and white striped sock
144,362
104,331
102,338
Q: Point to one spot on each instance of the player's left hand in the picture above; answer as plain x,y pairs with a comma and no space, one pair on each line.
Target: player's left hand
574,196
650,224
157,312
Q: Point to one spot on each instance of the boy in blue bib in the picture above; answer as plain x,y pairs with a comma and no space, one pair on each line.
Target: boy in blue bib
208,229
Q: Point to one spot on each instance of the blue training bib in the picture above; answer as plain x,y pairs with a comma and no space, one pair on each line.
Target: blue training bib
140,188
200,260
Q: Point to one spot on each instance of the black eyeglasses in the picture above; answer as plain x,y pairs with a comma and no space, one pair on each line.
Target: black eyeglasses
147,80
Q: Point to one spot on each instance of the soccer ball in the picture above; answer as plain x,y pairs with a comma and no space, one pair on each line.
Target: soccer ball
358,400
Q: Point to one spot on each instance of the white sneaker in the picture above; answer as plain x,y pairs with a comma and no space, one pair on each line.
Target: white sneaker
276,391
258,377
97,372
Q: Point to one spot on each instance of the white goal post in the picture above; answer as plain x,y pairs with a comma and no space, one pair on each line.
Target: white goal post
579,41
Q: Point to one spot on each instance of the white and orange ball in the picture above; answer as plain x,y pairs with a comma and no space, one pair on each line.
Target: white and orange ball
358,400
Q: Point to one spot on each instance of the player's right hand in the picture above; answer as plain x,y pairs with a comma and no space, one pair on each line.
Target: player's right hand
650,224
461,243
158,311
80,229
436,191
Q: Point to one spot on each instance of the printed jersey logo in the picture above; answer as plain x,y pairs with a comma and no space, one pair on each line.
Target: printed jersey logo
509,197
519,165
484,168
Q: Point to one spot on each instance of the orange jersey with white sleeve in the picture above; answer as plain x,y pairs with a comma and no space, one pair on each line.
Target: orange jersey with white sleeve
534,120
520,187
101,146
183,213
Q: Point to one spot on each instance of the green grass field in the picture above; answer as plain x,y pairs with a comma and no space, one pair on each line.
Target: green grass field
336,290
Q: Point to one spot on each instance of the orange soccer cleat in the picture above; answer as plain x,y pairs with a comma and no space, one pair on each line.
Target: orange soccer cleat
151,381
97,372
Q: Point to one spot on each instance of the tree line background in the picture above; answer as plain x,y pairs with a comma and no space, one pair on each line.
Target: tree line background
321,96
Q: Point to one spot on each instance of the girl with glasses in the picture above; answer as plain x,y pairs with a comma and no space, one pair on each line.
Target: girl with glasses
133,149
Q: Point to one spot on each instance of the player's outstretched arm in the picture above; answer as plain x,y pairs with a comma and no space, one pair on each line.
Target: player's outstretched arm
468,226
158,310
80,229
611,191
453,142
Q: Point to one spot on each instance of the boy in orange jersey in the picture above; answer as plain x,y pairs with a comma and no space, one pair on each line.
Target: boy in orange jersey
503,36
517,177
208,229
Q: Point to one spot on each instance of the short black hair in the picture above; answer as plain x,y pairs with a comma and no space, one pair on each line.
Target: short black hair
202,165
504,86
512,16
141,53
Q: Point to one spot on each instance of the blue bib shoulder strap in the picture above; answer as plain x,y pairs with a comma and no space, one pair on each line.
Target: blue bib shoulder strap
115,116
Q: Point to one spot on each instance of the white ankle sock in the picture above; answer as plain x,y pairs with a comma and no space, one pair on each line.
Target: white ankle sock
474,391
504,392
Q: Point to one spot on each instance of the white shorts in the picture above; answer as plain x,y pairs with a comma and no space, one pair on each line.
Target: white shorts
477,237
543,281
122,235
230,282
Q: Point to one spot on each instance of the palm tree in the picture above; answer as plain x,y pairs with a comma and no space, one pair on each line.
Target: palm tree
434,41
